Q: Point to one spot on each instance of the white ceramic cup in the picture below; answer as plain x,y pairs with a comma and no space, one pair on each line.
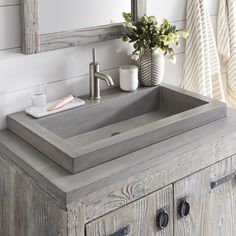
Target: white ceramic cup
129,78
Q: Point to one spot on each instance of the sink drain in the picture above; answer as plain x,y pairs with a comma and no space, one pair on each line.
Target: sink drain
114,134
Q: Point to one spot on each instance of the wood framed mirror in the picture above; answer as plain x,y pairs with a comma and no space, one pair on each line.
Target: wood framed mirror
36,39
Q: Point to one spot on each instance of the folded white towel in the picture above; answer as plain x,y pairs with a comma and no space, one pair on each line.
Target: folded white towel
201,73
226,40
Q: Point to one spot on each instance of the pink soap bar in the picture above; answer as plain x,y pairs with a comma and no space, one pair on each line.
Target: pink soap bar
61,103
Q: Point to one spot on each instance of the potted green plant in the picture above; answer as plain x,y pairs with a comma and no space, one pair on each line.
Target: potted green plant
151,42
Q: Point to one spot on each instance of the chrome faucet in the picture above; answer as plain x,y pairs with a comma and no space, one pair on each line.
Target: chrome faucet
94,77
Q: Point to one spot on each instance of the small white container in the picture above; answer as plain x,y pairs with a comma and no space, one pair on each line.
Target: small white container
129,78
38,97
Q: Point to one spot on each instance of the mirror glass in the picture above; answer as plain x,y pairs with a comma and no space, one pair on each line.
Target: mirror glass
64,15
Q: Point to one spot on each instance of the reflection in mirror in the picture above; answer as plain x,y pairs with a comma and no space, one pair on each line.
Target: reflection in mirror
55,24
64,15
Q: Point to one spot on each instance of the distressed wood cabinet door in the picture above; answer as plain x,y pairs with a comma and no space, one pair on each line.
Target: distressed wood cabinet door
139,218
212,204
25,209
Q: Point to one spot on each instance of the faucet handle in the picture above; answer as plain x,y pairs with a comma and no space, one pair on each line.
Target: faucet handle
94,55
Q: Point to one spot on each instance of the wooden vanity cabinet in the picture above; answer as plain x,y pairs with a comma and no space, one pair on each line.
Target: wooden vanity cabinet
25,210
211,195
203,204
151,216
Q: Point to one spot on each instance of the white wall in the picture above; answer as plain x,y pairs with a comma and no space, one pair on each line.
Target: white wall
66,71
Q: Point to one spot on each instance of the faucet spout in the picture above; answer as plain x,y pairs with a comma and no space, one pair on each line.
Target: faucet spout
94,78
106,78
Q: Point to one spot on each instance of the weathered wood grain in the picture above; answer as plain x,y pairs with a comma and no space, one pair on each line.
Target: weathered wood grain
140,215
212,210
104,192
76,223
25,209
53,191
108,187
89,35
168,169
30,42
78,37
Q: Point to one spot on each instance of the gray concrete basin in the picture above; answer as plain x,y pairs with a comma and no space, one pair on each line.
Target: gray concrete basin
120,123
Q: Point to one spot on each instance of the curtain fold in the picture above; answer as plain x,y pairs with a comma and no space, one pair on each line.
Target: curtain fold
226,42
201,72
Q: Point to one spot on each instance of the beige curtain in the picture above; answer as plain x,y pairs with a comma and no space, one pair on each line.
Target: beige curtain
201,72
226,41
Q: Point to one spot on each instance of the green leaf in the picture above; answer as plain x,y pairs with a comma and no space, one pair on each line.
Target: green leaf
148,34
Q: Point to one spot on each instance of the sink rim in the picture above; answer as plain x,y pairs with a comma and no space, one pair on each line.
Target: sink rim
34,127
147,128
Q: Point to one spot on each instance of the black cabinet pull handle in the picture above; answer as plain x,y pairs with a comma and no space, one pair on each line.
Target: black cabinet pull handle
183,208
162,219
122,232
222,180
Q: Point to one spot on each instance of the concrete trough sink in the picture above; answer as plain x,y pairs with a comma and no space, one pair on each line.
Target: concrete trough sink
120,123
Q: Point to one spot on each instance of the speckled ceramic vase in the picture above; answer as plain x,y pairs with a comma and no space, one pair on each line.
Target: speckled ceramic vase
151,68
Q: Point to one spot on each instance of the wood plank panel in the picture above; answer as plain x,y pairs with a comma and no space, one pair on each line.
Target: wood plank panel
212,210
165,171
25,209
175,9
76,223
62,64
167,9
140,216
77,86
9,2
58,66
29,26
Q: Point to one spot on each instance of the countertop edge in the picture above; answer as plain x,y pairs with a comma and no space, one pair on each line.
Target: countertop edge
66,188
